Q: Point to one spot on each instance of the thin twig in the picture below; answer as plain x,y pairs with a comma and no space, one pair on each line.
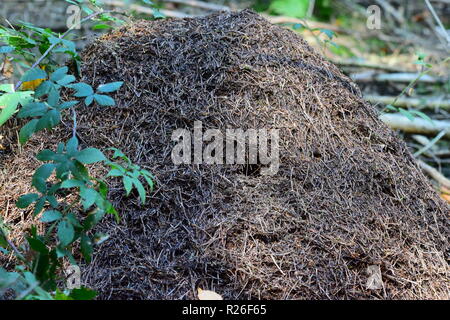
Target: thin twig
365,65
397,121
406,77
424,102
14,248
433,173
74,129
430,144
439,22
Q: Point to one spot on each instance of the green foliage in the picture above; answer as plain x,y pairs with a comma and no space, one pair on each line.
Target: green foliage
83,90
290,8
10,101
411,114
67,199
130,174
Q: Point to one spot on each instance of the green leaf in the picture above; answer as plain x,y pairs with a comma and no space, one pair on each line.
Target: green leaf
39,206
86,248
406,113
72,183
67,104
59,74
140,188
49,120
128,184
72,146
83,294
79,171
37,245
66,232
104,100
114,173
101,26
149,181
7,87
290,8
52,200
82,89
72,218
90,155
391,107
92,219
53,97
422,115
66,80
102,188
44,88
87,10
89,196
6,49
9,103
117,153
51,215
110,87
39,180
46,155
27,199
88,101
158,14
33,109
34,74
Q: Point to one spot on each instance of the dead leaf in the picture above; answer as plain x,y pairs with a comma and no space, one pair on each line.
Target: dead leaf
7,69
32,85
446,197
208,295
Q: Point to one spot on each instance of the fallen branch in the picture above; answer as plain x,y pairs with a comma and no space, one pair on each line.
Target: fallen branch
398,121
403,77
433,173
310,24
422,103
356,64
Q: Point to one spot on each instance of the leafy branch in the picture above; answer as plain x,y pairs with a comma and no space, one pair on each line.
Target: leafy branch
69,201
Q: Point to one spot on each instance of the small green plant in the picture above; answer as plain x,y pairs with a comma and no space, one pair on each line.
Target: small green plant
69,201
411,114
